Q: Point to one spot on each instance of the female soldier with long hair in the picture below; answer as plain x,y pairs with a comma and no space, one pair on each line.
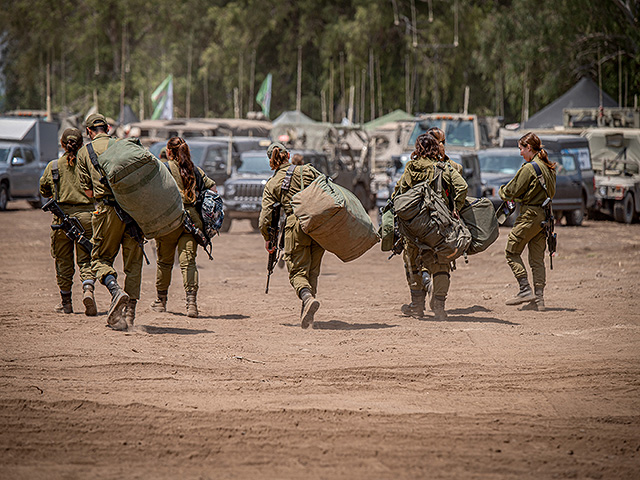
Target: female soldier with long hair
60,180
302,253
526,189
422,167
184,173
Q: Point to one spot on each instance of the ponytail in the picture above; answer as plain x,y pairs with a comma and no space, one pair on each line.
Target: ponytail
180,153
532,140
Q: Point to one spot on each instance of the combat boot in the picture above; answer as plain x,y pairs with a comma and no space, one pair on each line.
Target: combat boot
416,307
524,295
540,299
437,305
65,305
192,306
89,300
160,304
130,313
119,300
309,307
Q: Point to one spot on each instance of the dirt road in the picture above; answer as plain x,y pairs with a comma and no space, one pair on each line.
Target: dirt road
243,392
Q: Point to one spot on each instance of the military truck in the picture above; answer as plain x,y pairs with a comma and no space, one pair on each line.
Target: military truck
463,132
615,153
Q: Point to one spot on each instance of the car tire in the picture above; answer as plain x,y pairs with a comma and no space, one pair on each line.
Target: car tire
226,223
575,217
37,203
4,196
254,224
623,211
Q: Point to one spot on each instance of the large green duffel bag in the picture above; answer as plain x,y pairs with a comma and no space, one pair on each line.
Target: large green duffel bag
480,218
143,187
335,218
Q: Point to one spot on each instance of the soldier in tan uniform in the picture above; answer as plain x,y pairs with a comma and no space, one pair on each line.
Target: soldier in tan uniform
184,173
302,254
527,231
109,232
422,167
60,181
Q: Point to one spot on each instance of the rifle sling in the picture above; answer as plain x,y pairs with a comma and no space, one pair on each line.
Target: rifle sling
286,182
538,170
55,175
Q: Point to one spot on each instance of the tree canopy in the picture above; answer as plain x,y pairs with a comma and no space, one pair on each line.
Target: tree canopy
377,55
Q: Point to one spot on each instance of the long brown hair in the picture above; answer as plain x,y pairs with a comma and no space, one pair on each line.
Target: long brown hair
180,152
438,134
426,147
278,157
532,140
71,141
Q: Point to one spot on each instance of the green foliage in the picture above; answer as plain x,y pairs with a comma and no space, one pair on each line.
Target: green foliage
502,46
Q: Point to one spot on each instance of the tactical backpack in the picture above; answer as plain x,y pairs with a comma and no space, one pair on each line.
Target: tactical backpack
424,219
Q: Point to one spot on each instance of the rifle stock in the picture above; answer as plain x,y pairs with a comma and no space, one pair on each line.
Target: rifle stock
71,226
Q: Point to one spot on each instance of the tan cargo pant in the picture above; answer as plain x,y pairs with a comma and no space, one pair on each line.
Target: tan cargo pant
527,232
62,250
108,235
187,250
303,256
417,261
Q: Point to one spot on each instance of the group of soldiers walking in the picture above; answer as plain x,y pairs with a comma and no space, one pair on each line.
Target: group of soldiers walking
77,183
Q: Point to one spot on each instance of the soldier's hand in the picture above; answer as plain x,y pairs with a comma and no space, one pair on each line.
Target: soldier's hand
268,247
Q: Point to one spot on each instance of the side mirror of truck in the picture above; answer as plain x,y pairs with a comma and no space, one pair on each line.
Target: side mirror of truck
18,161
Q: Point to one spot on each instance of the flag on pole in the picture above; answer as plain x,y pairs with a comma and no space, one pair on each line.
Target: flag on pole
162,99
264,96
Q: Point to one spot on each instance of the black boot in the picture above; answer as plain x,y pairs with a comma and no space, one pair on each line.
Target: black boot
416,307
65,306
524,295
119,300
309,307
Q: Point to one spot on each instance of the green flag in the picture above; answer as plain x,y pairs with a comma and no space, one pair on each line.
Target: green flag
264,96
162,99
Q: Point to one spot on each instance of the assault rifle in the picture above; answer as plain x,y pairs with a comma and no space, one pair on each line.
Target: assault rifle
131,227
398,244
547,225
274,244
71,226
200,237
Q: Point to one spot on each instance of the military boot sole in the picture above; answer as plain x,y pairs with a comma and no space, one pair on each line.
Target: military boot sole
520,300
308,311
90,309
115,314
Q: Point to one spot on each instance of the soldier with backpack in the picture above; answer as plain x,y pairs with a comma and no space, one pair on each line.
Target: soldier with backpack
191,181
424,166
302,254
109,230
533,186
60,181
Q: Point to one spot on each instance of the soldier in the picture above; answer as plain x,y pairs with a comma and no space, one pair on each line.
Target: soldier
302,254
422,167
526,188
185,174
109,231
60,181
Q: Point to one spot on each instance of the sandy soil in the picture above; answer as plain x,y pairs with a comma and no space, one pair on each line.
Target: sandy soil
243,392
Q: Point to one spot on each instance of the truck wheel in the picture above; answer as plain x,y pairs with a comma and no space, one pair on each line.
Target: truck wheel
4,197
575,217
226,223
623,211
254,224
36,203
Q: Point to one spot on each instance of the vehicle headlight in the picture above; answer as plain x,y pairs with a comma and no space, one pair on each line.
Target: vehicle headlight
603,191
230,190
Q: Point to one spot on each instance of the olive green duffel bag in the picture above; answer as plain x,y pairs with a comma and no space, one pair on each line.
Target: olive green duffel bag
335,218
142,186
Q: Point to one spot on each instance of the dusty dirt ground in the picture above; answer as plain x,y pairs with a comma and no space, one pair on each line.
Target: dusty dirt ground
243,392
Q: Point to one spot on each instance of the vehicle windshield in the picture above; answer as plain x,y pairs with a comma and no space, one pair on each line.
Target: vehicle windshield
4,155
254,163
458,133
500,162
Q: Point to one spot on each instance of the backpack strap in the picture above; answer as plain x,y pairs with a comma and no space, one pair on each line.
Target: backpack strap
439,170
55,175
94,160
199,180
538,170
286,182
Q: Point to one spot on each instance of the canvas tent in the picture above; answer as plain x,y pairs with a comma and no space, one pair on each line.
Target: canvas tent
584,94
291,117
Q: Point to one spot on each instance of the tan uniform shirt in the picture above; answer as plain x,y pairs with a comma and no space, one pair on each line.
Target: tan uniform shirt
524,187
69,189
87,173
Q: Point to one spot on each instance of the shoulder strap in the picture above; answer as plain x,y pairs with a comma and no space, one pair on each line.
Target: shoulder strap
286,182
199,179
94,160
538,170
55,175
